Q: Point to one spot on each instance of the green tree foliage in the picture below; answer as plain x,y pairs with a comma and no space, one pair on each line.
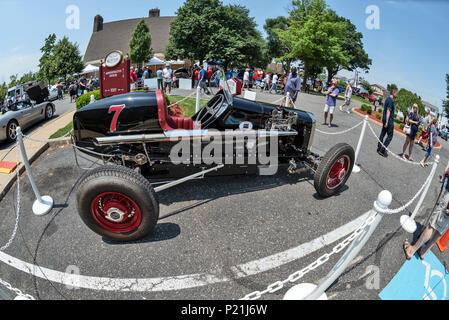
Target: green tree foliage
140,43
206,29
66,58
406,99
354,55
275,47
392,86
192,30
3,91
45,62
313,35
446,102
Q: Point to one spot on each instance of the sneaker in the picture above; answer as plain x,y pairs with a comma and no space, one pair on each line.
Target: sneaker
330,125
341,108
348,112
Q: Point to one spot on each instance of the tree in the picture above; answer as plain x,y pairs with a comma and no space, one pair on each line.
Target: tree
313,35
446,102
406,99
3,92
391,87
191,32
66,59
275,47
354,55
140,43
45,62
30,76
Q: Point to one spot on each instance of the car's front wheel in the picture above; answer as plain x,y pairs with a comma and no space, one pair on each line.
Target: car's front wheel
48,112
334,170
117,203
11,131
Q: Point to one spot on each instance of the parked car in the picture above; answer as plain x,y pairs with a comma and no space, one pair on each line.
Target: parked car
53,94
25,114
138,136
371,98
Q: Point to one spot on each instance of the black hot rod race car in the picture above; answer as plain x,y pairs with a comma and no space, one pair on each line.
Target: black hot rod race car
139,142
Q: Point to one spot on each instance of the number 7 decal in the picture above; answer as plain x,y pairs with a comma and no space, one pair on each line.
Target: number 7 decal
117,110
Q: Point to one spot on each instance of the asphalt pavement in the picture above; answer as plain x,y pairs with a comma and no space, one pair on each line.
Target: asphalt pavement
217,238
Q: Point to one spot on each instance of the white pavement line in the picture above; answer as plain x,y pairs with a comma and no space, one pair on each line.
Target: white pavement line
184,281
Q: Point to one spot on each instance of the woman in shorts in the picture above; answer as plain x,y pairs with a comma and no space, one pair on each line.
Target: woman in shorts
432,135
413,121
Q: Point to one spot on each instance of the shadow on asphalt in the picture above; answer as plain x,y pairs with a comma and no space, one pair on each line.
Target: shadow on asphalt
162,232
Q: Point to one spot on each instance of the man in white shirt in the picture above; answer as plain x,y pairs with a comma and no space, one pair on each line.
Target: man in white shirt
274,83
246,79
167,74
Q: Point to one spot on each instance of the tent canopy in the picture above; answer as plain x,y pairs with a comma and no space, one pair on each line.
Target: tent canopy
89,69
155,61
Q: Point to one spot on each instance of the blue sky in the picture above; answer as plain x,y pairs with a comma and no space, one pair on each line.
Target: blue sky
410,48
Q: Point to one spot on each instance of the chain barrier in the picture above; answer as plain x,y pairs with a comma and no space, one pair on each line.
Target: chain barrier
16,225
392,153
278,285
16,291
342,132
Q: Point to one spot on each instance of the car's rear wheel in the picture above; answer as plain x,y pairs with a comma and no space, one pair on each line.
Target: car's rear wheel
334,170
11,131
117,203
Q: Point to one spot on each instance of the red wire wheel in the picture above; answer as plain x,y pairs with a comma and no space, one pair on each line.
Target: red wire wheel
334,170
116,212
338,172
117,203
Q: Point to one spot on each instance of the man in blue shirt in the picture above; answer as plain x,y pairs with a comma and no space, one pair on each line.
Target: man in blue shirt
387,124
203,80
159,79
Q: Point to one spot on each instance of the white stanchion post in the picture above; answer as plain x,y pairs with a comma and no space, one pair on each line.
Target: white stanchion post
309,291
42,205
408,223
287,101
198,98
356,168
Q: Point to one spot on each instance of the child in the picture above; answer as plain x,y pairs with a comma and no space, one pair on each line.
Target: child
432,135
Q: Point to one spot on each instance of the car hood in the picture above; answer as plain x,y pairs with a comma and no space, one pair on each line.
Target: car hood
37,91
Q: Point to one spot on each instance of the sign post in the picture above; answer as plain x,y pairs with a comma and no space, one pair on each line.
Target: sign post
114,75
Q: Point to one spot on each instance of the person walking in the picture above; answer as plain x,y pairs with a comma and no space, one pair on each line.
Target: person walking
387,125
197,77
293,85
203,80
72,91
246,79
274,83
167,74
413,122
348,96
331,101
59,88
432,135
425,126
160,79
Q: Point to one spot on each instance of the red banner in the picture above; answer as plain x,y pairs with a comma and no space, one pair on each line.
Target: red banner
116,80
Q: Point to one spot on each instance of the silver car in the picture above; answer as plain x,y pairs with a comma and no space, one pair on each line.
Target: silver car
23,114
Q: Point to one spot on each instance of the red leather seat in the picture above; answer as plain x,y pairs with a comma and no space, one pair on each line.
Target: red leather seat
168,122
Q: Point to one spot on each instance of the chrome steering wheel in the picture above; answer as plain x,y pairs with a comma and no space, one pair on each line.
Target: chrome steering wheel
207,114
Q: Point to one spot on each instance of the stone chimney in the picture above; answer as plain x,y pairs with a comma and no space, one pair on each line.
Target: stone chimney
155,13
98,23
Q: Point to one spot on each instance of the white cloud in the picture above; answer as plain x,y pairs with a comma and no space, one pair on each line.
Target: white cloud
18,64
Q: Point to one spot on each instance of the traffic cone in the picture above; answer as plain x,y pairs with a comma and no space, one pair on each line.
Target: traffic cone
442,242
